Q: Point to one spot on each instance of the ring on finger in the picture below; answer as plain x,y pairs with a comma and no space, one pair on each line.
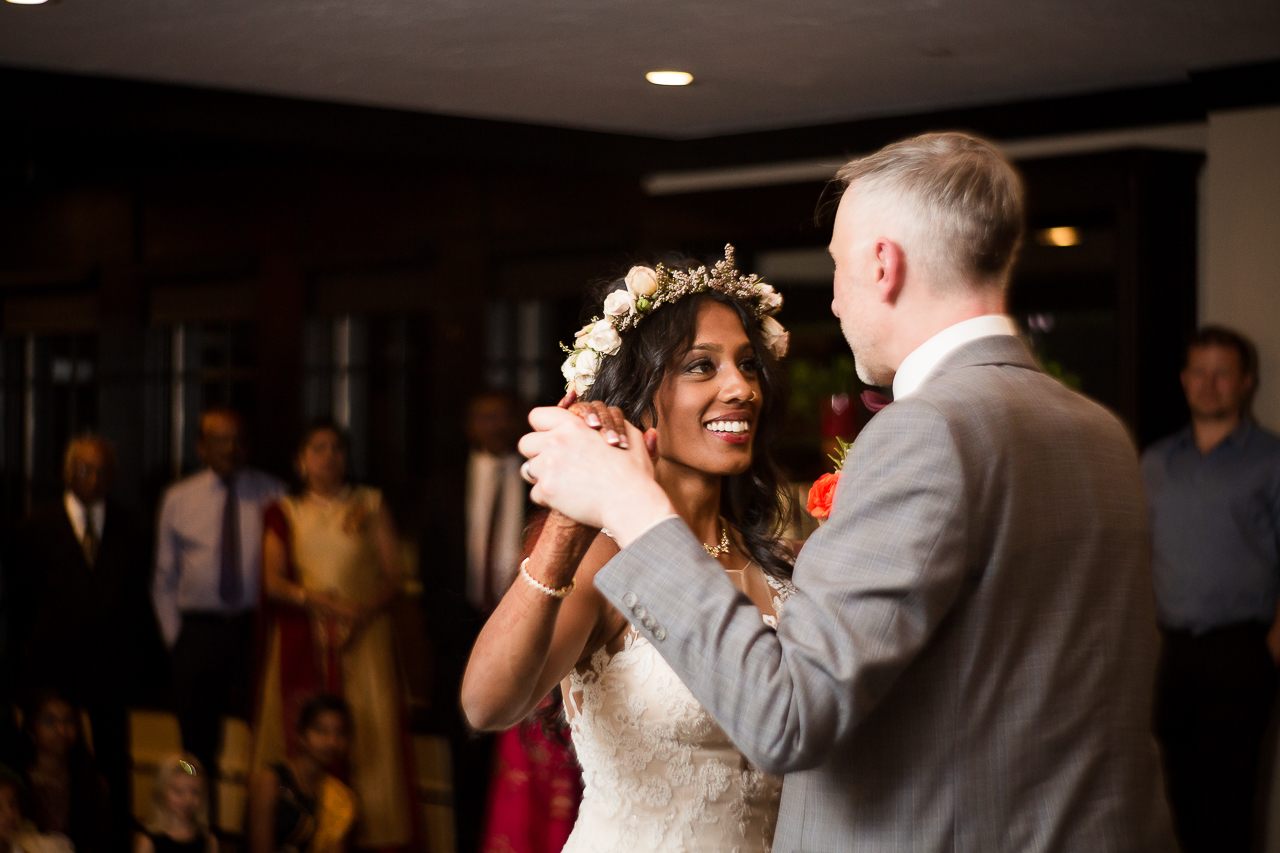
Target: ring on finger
525,474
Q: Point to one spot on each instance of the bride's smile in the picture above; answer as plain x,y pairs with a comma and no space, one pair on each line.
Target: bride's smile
710,398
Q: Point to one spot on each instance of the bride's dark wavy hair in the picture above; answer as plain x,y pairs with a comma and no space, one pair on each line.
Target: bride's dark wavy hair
753,502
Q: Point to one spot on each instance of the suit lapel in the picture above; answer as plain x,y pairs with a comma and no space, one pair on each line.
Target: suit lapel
67,534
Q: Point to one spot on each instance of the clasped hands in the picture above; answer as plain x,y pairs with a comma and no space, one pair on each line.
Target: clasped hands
577,471
347,615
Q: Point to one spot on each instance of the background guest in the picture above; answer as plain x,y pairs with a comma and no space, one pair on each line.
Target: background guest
1213,495
80,596
17,833
68,794
496,499
331,568
496,502
208,559
297,803
180,817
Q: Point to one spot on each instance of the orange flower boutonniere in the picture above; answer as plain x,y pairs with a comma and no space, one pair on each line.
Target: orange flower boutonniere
823,492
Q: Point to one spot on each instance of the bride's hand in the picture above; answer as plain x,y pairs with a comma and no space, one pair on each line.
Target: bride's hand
608,420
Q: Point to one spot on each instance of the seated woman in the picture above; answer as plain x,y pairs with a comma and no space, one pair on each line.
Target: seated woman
17,834
298,805
180,817
692,354
68,794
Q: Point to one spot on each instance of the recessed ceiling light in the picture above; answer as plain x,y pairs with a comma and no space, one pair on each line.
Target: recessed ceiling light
1062,236
669,78
28,2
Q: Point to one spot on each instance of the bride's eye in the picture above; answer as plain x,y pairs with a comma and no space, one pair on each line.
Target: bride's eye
751,364
702,365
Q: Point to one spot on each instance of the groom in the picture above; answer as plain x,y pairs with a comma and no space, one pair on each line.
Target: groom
969,661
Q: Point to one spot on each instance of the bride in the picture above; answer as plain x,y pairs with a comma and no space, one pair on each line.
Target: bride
693,355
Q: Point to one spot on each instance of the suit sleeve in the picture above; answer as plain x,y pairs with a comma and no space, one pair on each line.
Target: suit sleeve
874,582
164,585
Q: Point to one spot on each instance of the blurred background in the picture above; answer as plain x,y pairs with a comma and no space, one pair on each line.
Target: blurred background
370,212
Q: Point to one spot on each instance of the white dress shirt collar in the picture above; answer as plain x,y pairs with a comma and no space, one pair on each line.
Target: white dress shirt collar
917,366
76,514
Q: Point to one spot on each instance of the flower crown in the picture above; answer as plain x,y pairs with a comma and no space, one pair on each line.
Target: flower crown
650,288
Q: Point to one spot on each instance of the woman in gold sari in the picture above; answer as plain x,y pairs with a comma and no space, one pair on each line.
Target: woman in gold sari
331,568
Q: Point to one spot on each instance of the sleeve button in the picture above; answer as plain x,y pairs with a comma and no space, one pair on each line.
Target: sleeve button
629,600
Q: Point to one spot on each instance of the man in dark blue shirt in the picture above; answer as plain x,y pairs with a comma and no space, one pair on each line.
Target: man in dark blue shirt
1213,496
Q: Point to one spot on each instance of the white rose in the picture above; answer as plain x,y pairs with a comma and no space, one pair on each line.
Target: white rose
619,303
586,364
567,369
603,338
582,384
642,281
770,299
776,338
580,336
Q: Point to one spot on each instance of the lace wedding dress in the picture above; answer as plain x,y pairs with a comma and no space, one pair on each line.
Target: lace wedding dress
659,773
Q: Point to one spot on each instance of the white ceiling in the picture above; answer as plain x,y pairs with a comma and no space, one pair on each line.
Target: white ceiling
581,63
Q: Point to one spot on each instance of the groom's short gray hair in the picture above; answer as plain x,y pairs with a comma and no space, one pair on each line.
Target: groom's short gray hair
962,193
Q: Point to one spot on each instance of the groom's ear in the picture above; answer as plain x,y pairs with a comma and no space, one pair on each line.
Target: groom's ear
891,270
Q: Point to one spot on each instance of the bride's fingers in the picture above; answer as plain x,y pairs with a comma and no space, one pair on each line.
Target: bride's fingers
615,426
590,412
651,442
567,400
608,420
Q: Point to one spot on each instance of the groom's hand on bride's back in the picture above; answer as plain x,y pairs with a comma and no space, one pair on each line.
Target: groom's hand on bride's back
577,472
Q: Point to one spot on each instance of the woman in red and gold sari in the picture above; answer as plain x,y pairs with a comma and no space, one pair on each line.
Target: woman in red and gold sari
331,568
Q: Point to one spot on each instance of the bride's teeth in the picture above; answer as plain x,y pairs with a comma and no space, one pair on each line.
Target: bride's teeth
728,426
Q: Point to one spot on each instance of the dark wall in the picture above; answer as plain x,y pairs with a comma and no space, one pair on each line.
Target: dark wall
128,207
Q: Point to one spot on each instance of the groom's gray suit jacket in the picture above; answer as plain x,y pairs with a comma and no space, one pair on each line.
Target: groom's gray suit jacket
968,664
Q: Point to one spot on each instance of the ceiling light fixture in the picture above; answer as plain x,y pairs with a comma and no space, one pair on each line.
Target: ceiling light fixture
1062,236
669,78
28,2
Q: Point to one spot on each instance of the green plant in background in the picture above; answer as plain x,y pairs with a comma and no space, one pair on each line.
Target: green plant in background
1067,377
812,382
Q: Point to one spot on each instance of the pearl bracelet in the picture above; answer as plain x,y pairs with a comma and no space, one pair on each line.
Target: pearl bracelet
542,587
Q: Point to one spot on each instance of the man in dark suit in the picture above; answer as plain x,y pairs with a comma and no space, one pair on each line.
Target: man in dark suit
968,663
82,605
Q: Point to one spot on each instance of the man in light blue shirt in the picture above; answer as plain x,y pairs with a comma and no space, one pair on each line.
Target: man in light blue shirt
208,564
1213,497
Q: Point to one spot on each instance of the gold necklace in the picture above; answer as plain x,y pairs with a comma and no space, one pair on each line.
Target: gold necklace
723,546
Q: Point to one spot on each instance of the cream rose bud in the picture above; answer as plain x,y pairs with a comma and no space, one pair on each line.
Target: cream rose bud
582,384
604,339
619,303
776,338
580,336
642,281
770,299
